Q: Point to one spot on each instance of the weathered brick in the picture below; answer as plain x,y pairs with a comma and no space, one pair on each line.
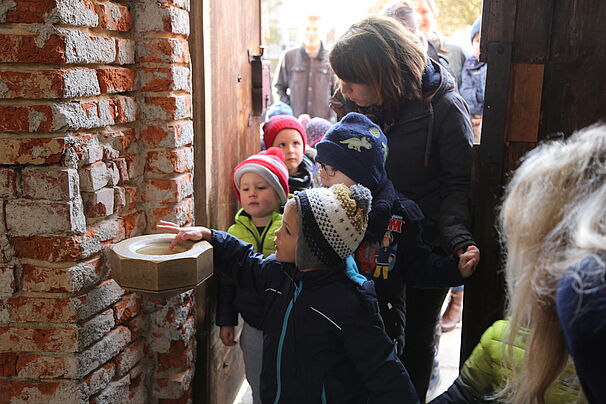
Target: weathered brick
115,392
37,309
70,248
128,358
99,203
73,12
176,3
8,183
82,47
135,162
95,329
26,118
119,140
122,166
8,364
94,114
114,174
134,224
171,190
163,50
28,218
99,298
7,280
180,356
129,306
24,11
100,378
173,78
84,148
61,83
114,17
50,183
43,366
61,278
173,387
104,350
172,161
181,213
137,389
151,18
39,391
132,197
164,337
167,108
137,326
162,134
25,48
31,150
116,79
125,51
186,398
60,338
93,176
7,252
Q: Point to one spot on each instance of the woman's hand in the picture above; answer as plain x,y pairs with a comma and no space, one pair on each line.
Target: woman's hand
468,260
184,233
227,335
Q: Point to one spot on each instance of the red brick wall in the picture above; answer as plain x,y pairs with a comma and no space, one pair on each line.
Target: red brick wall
95,146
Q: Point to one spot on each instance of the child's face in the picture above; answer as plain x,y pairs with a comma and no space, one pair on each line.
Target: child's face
476,45
291,143
257,197
288,234
330,176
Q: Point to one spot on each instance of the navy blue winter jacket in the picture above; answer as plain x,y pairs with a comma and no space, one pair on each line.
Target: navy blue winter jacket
323,337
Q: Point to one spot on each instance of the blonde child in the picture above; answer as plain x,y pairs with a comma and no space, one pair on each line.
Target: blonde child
261,184
318,322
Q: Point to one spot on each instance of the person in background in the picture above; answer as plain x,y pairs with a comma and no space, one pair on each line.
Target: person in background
553,223
386,76
316,128
303,77
473,81
427,14
318,321
261,184
286,133
278,108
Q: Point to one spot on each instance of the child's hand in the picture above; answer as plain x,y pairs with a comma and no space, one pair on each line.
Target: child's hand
468,261
227,334
184,233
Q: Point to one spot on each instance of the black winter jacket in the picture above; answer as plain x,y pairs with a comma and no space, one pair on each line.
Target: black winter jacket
323,338
429,161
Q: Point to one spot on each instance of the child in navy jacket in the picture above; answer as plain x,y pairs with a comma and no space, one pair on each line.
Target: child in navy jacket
318,321
393,252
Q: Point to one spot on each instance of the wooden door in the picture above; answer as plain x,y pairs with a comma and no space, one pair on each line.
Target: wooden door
546,61
223,35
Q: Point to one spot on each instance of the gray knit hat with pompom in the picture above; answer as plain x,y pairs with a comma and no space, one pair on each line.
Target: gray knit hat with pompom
333,223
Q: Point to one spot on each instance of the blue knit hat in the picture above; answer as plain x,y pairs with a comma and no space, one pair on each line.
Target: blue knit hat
278,108
357,147
475,28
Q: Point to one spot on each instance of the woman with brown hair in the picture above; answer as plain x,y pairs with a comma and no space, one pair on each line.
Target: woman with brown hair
386,76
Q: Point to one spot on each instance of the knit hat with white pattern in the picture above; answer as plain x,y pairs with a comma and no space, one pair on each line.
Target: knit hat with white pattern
333,223
270,166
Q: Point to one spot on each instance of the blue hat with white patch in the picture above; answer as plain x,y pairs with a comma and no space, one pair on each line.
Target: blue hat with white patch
357,147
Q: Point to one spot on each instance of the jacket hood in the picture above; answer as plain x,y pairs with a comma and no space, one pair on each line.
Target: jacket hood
444,84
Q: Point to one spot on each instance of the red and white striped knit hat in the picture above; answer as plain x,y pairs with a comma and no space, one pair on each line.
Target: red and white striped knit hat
270,166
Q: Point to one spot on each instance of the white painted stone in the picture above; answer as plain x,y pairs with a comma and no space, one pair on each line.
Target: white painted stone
115,392
81,47
51,183
72,12
7,280
93,177
27,218
181,78
81,83
125,51
5,7
3,89
34,119
104,350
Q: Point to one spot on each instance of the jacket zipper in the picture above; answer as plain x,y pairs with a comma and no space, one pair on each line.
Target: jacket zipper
281,341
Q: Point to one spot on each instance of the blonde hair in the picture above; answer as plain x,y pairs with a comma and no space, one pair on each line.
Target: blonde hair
553,216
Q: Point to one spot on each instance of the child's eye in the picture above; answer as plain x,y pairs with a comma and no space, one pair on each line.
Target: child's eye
261,188
281,145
